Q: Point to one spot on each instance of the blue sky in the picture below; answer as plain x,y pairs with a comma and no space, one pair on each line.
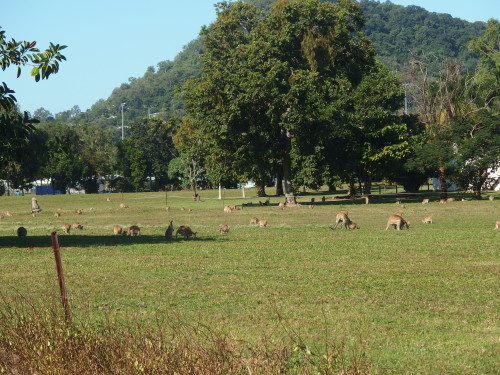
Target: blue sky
110,41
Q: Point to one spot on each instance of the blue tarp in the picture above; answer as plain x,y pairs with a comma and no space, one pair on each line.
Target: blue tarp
46,190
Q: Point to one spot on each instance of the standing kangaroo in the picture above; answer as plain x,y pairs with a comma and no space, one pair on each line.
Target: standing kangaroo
342,218
169,233
398,222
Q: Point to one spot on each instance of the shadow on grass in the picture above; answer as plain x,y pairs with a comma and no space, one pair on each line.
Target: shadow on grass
88,241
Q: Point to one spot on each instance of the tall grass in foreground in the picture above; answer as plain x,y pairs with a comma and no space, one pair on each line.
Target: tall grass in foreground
35,339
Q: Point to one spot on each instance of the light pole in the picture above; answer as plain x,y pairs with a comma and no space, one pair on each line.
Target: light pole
122,106
406,99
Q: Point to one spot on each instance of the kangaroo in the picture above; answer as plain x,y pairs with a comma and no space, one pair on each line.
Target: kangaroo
427,220
185,231
22,232
79,212
254,220
57,214
169,233
223,228
342,218
425,201
123,205
77,226
8,213
497,226
66,228
134,230
117,229
398,222
281,205
227,209
353,225
491,197
262,223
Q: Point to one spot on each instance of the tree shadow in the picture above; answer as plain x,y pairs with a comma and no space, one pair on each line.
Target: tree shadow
89,241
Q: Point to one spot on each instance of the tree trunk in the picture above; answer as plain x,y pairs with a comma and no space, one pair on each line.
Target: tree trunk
368,184
260,188
352,188
287,169
478,182
279,183
442,183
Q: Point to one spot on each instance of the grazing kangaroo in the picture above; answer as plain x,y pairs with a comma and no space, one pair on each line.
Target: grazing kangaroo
223,228
134,230
262,223
123,205
57,214
427,220
342,218
185,231
398,222
22,232
227,209
66,228
254,220
169,233
117,229
77,226
79,212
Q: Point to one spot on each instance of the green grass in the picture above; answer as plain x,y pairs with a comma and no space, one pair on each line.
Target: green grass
418,301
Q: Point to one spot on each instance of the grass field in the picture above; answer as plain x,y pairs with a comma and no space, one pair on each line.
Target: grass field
419,301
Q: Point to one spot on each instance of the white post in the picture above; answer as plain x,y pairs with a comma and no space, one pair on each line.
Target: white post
220,192
243,190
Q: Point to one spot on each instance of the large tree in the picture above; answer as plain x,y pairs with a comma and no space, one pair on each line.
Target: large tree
461,113
272,84
15,129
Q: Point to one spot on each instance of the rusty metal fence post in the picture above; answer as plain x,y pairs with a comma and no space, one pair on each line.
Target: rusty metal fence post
60,276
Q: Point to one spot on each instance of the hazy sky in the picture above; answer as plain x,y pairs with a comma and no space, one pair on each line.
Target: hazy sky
110,41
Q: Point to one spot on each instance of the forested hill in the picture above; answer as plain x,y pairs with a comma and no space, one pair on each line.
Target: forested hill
397,32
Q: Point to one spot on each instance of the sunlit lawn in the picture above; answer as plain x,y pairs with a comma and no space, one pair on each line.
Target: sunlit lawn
424,300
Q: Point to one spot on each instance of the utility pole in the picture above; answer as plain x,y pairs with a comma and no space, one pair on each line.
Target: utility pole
406,99
122,106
